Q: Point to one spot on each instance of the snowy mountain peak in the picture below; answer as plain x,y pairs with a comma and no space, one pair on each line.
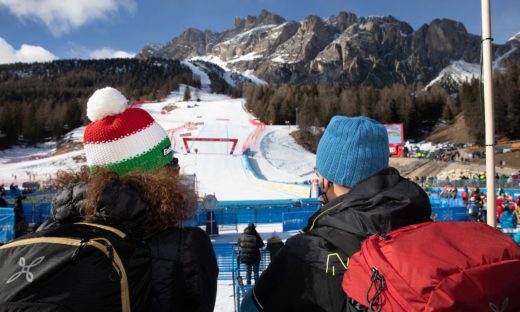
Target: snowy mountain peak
516,37
455,74
345,49
264,18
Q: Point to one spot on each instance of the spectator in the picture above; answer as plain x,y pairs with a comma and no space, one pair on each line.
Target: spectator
508,218
364,196
516,238
274,244
144,195
20,225
3,202
499,204
453,193
249,244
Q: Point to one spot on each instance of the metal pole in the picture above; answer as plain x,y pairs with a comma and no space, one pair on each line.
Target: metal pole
487,68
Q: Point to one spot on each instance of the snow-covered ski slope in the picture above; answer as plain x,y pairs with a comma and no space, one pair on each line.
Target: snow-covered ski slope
277,160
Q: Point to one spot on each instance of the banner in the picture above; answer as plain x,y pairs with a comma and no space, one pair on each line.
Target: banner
395,133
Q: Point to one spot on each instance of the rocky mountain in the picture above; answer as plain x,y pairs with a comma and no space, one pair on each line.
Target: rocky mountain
346,49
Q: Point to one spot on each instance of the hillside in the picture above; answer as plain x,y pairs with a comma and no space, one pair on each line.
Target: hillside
455,132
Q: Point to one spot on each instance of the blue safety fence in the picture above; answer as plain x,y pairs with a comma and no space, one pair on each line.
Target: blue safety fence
227,261
36,212
293,221
241,270
272,203
12,193
6,225
437,201
259,211
230,268
225,253
249,215
454,213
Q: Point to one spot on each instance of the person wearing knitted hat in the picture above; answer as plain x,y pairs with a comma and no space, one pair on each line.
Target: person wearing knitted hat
363,196
132,182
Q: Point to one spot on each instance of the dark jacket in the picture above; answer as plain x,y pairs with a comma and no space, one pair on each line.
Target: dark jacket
184,267
306,274
18,209
3,202
274,244
249,244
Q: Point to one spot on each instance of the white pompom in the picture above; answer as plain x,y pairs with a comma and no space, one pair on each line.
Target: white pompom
106,102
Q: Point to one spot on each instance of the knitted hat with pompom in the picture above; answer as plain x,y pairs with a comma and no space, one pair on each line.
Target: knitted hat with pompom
123,139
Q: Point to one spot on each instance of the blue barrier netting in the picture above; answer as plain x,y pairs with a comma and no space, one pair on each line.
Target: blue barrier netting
6,225
293,214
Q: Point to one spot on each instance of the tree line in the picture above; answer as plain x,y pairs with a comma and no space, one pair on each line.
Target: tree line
43,100
419,108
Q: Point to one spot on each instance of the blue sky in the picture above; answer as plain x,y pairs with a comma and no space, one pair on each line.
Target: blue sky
39,30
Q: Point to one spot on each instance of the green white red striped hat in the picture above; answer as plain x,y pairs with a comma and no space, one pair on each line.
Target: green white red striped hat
122,138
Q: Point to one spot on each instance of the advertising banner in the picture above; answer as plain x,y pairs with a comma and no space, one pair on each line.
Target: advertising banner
395,133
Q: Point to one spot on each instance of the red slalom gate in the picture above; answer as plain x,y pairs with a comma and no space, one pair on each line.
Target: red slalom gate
185,140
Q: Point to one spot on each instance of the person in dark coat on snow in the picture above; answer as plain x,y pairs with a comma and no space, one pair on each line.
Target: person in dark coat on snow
20,226
363,197
249,245
274,244
3,202
132,184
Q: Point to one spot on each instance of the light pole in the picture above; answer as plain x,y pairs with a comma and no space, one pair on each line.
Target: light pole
487,69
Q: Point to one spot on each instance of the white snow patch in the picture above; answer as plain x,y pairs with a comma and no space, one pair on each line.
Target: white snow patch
281,157
249,32
499,60
246,57
515,37
280,59
204,78
460,71
211,59
249,74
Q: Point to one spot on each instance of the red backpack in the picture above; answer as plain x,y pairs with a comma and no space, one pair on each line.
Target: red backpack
436,266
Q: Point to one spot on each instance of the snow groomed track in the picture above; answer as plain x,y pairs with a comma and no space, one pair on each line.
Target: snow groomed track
227,176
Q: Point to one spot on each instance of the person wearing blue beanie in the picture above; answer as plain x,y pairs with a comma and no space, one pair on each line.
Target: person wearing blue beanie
351,149
363,196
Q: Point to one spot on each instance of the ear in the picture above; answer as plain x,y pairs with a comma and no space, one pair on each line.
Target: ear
326,185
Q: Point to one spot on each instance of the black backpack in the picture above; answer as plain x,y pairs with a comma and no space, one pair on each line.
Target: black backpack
75,267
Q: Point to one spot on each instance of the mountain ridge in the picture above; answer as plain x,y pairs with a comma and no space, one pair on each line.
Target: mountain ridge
345,49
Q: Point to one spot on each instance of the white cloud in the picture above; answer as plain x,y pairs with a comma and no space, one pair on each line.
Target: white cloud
26,53
61,16
105,53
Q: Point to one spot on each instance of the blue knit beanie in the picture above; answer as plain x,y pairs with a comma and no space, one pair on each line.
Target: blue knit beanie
351,149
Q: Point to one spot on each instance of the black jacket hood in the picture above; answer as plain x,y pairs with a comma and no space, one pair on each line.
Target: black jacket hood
117,205
380,203
122,206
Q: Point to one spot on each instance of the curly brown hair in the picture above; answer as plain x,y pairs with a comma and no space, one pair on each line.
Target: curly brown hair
169,196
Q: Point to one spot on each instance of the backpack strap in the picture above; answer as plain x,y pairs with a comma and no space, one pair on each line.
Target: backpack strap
104,227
